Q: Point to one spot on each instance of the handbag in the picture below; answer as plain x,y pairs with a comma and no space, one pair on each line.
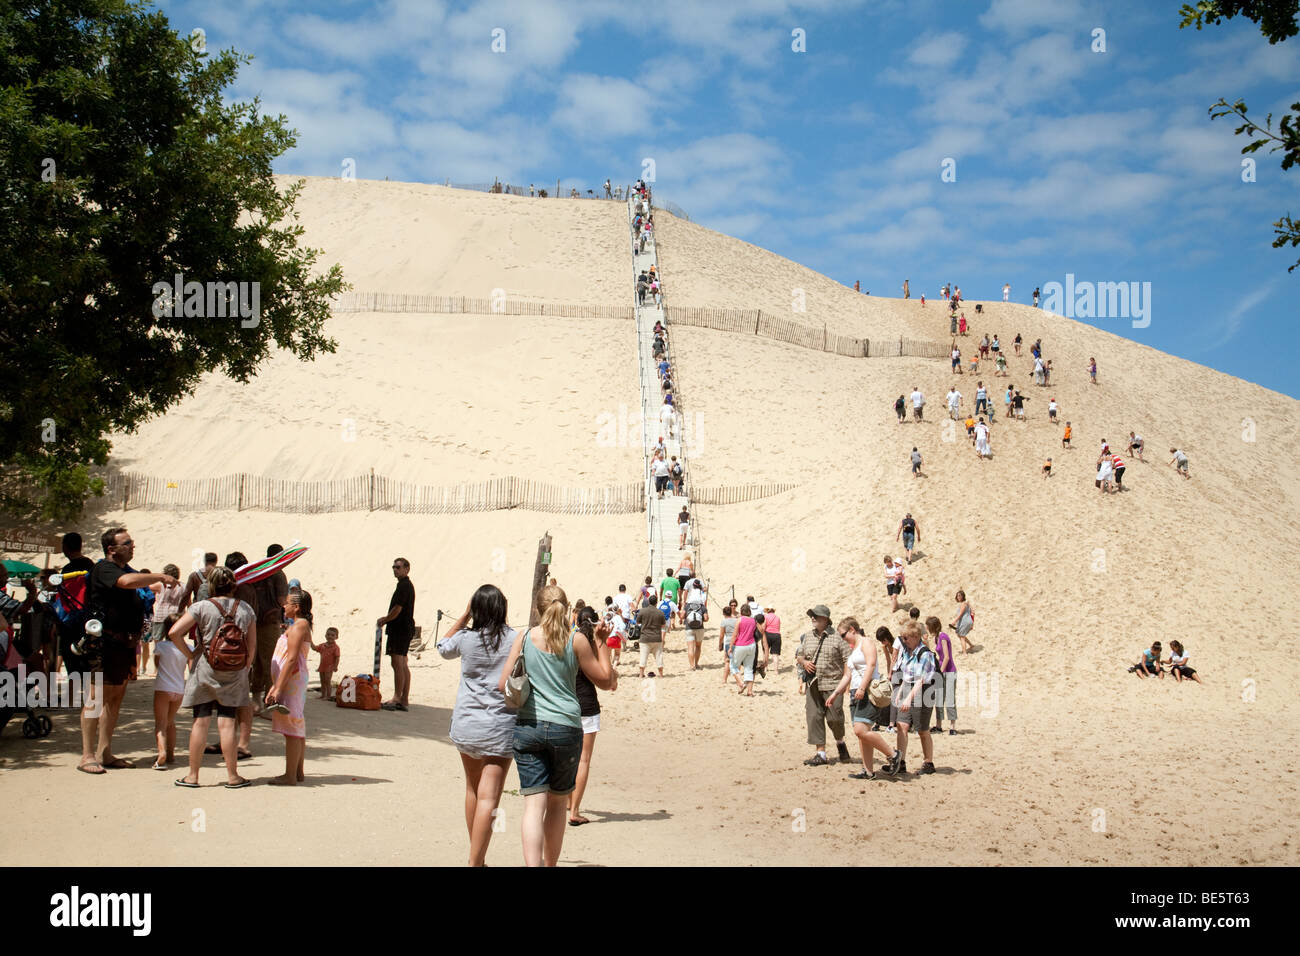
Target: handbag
806,677
518,687
880,692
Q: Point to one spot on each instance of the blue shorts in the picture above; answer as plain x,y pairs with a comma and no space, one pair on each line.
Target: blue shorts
909,538
546,754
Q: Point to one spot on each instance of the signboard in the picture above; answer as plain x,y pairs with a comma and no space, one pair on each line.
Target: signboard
26,541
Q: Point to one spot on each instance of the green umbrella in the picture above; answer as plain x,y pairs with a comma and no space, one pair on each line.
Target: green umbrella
21,568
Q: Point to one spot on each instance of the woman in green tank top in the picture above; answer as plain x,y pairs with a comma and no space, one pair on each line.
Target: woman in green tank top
548,726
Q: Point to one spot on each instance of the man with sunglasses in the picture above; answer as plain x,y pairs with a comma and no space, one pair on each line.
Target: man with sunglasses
119,607
400,621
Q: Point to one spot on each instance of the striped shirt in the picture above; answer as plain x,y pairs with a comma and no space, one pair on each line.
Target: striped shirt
1117,461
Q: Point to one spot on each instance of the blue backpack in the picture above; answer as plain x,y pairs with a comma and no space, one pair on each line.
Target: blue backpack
666,607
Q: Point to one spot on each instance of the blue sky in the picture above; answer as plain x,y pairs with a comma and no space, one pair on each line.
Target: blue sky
1101,164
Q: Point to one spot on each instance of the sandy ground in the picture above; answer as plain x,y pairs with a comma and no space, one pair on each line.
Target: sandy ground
1063,756
433,399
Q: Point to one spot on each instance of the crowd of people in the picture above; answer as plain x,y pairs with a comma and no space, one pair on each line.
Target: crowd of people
238,651
979,420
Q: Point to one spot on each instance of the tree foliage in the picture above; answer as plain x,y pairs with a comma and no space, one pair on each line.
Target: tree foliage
1277,21
121,167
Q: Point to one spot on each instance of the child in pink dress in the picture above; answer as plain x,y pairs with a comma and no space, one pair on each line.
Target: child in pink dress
288,694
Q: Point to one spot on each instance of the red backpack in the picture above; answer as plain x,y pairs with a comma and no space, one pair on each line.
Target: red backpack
227,651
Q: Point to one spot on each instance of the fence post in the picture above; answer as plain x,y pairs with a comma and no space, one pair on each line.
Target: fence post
372,489
239,501
823,336
758,315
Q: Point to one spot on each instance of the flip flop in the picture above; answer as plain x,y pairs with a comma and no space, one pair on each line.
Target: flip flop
85,768
578,822
212,749
244,755
182,782
239,786
158,766
118,763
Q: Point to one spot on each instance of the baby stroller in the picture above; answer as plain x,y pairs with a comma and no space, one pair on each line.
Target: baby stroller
21,664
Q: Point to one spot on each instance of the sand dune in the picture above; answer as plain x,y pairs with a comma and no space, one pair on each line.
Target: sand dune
1067,585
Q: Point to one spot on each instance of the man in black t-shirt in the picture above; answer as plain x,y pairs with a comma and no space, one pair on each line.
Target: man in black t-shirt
400,621
113,598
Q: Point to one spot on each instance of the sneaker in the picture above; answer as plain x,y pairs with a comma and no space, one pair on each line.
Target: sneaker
844,753
817,761
927,767
952,732
891,766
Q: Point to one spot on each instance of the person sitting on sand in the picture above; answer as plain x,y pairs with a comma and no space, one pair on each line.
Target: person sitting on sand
329,662
1178,663
861,670
1180,460
1149,663
287,697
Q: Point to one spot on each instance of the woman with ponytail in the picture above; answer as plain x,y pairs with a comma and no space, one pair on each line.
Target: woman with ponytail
548,727
287,698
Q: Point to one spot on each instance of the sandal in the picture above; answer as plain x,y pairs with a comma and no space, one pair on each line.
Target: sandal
118,763
212,749
182,782
158,765
578,822
240,785
244,755
863,775
85,768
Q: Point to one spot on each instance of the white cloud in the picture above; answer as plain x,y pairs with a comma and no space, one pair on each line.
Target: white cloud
938,51
603,105
1018,17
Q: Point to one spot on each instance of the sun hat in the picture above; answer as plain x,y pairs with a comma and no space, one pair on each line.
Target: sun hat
821,610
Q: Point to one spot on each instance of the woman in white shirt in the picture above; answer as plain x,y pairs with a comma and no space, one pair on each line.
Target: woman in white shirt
860,669
1178,664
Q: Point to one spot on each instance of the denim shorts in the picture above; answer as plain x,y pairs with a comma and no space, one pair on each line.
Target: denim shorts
546,754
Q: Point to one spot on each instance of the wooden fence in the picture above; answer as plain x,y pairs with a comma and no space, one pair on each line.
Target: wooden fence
371,492
758,322
735,494
402,302
744,321
244,492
